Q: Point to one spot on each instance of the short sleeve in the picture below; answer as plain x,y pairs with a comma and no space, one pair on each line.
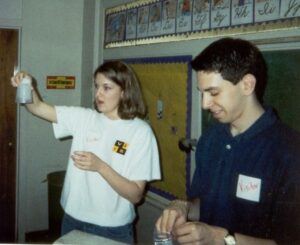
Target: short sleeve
145,157
68,119
196,185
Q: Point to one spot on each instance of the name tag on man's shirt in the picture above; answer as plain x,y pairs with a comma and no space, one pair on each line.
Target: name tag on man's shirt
248,188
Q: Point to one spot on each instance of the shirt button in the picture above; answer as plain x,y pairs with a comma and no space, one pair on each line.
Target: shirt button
228,147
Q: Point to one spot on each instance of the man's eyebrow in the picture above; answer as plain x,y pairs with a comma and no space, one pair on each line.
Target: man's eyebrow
207,89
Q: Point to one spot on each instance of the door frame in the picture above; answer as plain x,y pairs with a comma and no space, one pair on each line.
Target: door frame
18,143
17,189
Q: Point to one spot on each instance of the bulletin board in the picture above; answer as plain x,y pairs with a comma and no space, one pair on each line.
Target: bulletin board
283,88
166,86
141,22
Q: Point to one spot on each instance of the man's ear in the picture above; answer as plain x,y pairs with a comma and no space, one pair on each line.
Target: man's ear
248,84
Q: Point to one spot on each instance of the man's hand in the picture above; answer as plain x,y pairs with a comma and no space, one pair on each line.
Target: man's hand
197,233
174,215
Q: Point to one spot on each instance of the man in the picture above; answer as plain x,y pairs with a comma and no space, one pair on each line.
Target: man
245,188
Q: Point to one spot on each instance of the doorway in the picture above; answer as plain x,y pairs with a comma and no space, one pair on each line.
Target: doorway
9,39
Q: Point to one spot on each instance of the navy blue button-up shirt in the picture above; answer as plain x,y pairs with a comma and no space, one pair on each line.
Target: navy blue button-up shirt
250,183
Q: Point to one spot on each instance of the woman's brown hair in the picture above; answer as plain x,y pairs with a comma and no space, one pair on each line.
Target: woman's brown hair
131,103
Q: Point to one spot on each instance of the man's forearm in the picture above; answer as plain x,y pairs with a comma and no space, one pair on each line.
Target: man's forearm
193,208
247,240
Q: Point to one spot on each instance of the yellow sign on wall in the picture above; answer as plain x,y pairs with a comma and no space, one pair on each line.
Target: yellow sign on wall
60,82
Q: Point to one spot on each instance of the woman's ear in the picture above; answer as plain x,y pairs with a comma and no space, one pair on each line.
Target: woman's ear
248,84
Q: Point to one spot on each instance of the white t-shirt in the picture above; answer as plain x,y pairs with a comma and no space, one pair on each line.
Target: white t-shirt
128,146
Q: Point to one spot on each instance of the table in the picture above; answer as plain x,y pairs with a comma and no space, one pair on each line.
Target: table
79,237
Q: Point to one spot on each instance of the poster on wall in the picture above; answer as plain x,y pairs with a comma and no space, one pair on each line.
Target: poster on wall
242,12
115,27
168,16
153,21
266,10
220,13
290,9
201,15
131,24
154,28
142,25
184,16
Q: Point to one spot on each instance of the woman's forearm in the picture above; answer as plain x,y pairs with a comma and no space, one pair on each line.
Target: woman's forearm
131,190
41,109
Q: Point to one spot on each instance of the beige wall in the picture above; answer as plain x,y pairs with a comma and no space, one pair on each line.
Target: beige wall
57,38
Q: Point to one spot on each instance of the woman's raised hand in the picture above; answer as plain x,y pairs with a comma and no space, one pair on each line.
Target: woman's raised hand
17,78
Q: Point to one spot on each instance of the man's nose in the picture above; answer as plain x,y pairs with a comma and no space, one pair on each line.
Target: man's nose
206,101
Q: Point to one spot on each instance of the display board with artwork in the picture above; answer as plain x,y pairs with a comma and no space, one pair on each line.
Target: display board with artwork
141,22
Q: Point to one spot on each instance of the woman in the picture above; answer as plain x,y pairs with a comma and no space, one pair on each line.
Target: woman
113,153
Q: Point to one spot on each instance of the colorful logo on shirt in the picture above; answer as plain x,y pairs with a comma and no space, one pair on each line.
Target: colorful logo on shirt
120,147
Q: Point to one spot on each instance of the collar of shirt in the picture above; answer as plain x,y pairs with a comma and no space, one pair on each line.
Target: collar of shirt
268,118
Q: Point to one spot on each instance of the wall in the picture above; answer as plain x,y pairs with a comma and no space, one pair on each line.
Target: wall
87,62
60,37
55,49
57,38
189,47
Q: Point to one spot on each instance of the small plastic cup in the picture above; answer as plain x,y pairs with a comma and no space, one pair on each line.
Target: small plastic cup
24,93
162,238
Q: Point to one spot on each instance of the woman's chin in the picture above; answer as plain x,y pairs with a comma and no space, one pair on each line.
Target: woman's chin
98,108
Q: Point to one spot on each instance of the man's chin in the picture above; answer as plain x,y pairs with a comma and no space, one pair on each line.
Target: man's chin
221,119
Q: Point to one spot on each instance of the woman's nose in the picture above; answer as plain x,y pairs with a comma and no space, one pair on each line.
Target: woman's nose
98,92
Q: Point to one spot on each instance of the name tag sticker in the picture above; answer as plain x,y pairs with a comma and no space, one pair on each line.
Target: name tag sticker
248,188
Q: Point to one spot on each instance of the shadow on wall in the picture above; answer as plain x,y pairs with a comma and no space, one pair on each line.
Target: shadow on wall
147,216
55,212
